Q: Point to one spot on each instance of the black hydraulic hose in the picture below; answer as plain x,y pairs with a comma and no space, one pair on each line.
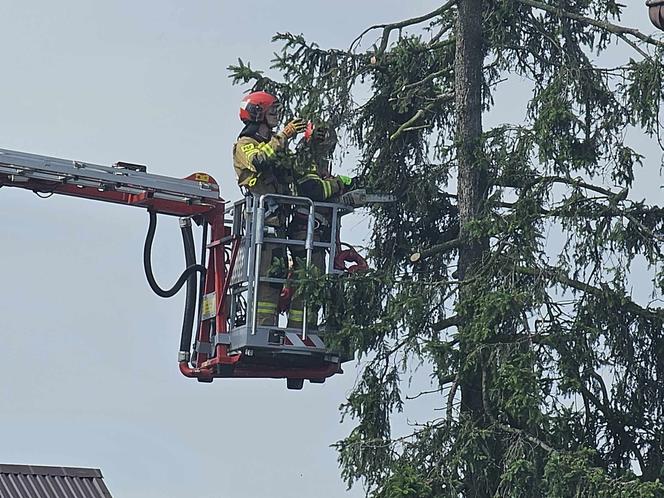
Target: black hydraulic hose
190,302
147,262
201,281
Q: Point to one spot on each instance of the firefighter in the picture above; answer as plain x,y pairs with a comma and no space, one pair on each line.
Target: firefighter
262,167
313,180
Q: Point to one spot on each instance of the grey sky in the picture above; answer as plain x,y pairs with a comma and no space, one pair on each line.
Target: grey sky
89,373
89,353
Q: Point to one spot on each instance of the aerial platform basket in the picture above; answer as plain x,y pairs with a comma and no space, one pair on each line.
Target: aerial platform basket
230,342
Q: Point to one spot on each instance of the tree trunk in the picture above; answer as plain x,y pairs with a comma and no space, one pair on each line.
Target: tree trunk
479,479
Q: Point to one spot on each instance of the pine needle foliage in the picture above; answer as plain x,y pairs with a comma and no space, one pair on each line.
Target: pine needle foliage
546,370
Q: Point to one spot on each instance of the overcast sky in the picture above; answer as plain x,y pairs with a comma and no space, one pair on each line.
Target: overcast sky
89,372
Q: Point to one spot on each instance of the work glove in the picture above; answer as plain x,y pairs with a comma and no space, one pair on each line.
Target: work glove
347,181
297,125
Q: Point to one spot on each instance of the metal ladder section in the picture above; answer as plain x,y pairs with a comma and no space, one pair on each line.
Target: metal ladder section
247,218
21,168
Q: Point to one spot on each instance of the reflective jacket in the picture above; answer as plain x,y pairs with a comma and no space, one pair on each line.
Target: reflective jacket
261,165
309,183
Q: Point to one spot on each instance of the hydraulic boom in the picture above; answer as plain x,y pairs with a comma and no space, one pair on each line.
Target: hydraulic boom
122,183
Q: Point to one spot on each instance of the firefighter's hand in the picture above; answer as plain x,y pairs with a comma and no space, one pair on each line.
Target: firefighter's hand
297,125
347,181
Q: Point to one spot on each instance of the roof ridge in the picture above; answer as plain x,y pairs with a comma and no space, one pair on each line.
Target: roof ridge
44,470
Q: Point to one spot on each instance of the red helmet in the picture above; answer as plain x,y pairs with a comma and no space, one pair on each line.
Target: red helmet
255,105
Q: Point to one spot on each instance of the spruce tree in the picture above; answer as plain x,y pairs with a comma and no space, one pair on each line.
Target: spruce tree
506,266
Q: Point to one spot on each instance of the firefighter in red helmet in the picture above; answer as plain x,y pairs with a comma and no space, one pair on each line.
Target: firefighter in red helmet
255,153
261,166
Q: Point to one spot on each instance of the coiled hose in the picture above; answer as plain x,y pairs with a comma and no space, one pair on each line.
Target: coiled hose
192,267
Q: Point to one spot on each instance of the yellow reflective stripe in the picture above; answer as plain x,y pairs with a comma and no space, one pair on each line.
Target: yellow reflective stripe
327,189
251,150
308,177
252,181
266,306
297,314
267,148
